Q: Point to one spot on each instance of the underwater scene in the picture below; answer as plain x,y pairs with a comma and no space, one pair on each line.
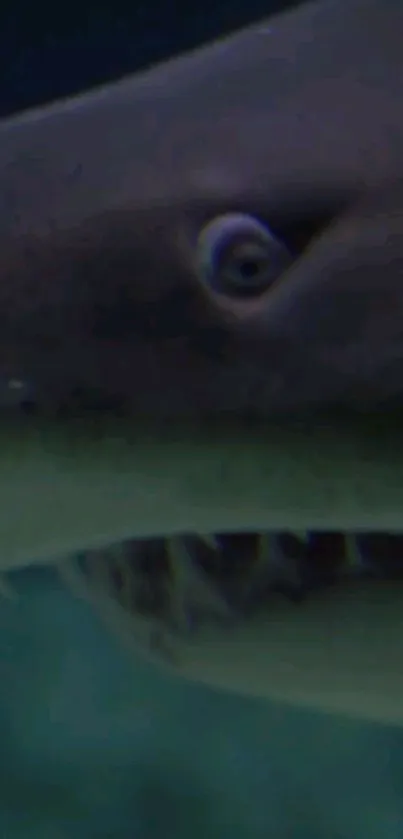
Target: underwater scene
224,685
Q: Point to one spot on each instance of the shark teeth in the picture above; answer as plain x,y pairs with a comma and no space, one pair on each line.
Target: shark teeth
163,590
186,580
192,592
273,570
182,582
143,633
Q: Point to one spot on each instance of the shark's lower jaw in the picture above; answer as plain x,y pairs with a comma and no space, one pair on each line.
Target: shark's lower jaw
167,590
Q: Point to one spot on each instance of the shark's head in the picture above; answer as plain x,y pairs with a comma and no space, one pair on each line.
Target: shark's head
222,233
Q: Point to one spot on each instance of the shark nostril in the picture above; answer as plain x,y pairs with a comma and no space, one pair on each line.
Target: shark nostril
28,407
17,393
81,400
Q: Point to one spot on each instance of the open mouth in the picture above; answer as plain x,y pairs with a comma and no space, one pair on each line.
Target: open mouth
166,591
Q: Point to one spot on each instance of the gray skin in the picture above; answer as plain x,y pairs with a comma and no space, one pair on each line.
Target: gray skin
103,302
298,121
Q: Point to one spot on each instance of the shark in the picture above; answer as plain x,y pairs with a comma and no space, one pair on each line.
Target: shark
195,263
218,234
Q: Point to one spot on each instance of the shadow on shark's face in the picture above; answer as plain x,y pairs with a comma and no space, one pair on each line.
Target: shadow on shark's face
222,234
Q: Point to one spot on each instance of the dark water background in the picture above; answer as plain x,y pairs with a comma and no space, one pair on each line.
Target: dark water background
93,745
51,50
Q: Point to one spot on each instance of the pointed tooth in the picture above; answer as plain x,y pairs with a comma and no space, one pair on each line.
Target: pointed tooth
272,569
269,554
190,585
210,540
6,590
179,558
355,560
144,635
127,582
98,569
272,557
264,549
302,535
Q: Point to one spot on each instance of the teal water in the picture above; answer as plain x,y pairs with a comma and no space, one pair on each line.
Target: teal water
96,745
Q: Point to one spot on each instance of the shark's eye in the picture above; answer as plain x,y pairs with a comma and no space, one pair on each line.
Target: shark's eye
238,255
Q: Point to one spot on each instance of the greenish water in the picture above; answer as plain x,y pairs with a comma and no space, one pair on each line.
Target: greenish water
96,745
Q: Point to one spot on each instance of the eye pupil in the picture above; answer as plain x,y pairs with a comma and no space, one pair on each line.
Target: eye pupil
250,267
246,276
